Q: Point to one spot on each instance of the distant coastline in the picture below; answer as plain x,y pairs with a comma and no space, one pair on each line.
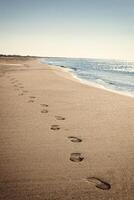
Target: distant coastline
115,76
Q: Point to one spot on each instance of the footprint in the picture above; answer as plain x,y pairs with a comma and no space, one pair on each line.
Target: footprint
44,105
14,81
55,127
25,91
44,111
30,101
99,183
32,97
21,87
74,139
60,118
76,157
21,94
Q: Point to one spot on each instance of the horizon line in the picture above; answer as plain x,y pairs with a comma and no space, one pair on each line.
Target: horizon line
71,57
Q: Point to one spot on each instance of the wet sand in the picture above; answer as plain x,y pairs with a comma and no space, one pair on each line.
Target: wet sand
60,139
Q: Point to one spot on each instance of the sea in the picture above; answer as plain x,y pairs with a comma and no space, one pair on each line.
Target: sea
112,75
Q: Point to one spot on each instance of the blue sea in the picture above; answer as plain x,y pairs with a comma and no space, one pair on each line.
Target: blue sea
114,75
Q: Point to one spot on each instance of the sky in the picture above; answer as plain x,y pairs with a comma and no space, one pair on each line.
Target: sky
68,28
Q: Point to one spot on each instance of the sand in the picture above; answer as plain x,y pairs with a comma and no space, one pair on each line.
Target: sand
60,139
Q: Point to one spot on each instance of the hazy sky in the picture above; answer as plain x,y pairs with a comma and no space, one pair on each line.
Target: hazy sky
71,28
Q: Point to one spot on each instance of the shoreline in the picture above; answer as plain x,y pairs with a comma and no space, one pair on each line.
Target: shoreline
86,82
61,139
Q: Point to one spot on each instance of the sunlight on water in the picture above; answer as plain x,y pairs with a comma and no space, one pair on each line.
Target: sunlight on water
110,74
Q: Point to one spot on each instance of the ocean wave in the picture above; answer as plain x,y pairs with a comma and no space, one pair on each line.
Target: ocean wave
111,74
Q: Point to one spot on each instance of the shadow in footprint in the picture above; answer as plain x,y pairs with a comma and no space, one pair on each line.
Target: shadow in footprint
99,183
20,94
76,157
55,127
13,82
31,101
44,111
32,97
74,139
12,79
44,105
15,85
60,118
25,91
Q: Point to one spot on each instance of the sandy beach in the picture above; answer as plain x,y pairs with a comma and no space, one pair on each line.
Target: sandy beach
61,139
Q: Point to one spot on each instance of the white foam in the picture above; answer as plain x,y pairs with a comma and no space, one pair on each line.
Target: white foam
89,83
11,64
102,87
